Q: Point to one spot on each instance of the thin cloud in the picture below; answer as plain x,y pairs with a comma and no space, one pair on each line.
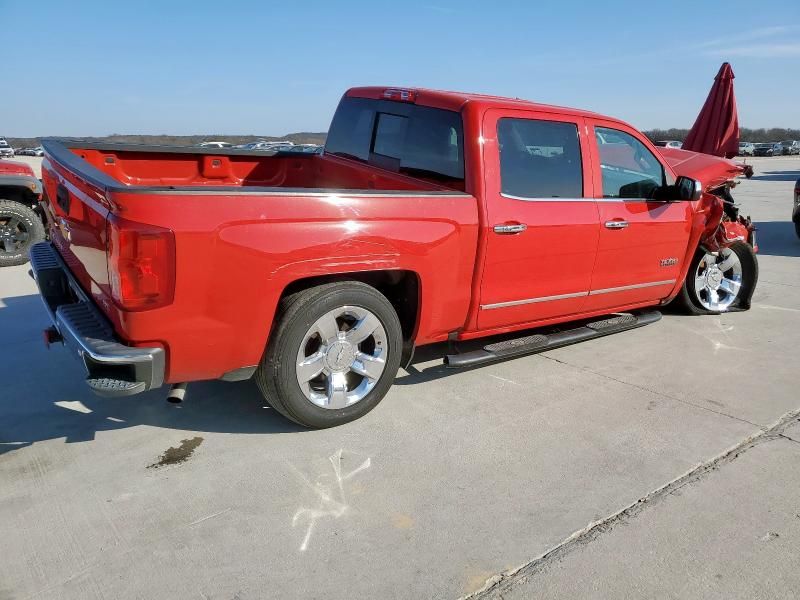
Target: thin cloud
758,51
753,34
441,9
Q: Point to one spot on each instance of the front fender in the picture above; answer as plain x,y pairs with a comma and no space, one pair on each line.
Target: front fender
728,233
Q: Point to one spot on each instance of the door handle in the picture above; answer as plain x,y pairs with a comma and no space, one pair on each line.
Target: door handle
616,224
510,228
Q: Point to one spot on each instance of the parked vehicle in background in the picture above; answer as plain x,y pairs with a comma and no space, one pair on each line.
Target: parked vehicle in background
669,144
430,217
747,149
38,151
6,151
215,145
306,148
796,211
21,223
264,146
791,147
777,149
766,149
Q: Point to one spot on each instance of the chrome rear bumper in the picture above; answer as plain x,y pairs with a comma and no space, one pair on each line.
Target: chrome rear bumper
112,368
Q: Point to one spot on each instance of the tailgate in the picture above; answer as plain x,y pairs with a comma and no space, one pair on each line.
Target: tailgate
78,209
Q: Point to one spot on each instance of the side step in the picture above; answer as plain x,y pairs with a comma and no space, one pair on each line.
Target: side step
532,344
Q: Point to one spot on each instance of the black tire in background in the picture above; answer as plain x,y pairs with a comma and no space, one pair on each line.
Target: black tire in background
276,375
20,228
687,298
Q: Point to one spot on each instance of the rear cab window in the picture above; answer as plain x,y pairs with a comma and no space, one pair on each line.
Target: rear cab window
419,141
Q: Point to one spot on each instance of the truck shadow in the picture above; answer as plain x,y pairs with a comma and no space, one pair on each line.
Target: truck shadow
43,396
777,238
777,176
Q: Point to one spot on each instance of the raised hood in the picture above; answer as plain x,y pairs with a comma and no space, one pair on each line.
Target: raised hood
711,171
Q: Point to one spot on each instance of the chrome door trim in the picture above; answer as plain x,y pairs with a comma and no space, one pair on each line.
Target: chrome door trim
532,300
634,286
526,199
621,288
529,199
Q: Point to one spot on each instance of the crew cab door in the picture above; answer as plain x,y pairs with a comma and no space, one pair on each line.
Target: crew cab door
542,222
642,241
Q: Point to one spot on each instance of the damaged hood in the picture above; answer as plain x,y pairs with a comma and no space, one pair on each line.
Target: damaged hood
711,171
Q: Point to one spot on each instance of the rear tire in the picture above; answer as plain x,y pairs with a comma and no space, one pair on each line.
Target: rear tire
333,354
20,228
797,228
715,285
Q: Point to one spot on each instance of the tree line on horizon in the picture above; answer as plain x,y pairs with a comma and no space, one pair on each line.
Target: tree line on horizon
774,134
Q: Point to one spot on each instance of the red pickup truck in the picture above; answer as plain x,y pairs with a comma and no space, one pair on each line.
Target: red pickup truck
431,216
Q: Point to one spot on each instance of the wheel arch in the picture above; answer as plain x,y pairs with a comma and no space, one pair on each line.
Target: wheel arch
402,287
19,193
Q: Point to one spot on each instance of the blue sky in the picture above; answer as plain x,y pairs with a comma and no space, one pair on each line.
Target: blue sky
269,68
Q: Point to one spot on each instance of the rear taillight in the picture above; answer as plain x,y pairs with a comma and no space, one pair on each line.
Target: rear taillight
141,264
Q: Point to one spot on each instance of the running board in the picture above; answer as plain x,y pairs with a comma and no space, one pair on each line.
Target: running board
533,344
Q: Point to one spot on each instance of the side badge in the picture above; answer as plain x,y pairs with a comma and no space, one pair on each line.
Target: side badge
668,262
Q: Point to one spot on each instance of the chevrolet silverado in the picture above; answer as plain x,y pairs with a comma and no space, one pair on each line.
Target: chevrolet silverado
430,217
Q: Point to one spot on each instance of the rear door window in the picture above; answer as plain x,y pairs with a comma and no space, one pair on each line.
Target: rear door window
402,137
539,159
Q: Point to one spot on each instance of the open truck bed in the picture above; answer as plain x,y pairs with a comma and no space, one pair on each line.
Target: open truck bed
132,168
228,230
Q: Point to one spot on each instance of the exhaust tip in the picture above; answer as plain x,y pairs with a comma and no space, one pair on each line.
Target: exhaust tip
177,393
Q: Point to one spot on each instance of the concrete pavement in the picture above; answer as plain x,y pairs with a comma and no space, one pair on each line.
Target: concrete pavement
732,533
455,478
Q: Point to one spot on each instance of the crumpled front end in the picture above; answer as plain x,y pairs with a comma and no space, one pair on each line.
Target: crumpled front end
724,225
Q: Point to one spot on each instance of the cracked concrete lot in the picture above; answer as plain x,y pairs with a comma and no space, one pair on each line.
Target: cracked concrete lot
659,463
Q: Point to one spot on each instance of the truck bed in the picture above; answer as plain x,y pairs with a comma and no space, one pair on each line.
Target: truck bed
122,167
244,227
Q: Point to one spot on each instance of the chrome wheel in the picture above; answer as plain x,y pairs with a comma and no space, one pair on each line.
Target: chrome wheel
342,357
718,280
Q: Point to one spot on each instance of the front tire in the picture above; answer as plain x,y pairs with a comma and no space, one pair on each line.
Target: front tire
333,355
722,283
20,228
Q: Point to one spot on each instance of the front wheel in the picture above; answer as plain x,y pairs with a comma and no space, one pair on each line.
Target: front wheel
720,283
334,354
20,228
